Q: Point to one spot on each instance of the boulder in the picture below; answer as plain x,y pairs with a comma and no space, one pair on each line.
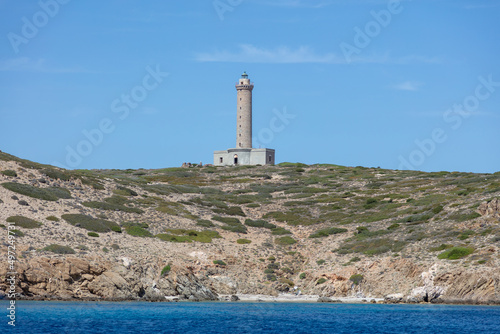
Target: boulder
394,298
490,208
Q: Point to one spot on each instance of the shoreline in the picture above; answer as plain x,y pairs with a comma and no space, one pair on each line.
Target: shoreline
289,298
282,298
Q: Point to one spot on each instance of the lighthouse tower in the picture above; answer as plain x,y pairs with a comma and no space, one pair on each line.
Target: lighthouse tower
244,154
244,112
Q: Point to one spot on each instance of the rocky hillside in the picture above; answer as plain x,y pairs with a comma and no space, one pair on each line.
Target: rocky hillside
201,232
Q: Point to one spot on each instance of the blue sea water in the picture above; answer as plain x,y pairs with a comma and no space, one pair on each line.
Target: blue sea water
141,317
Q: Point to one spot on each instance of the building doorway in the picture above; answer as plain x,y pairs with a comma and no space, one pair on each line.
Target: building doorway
236,159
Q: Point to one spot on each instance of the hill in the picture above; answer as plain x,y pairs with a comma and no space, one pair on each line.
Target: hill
204,232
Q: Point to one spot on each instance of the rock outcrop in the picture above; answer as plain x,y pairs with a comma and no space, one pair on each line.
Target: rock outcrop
98,279
491,208
428,292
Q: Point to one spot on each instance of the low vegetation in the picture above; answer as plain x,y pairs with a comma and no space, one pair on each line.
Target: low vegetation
24,222
182,235
456,253
91,223
59,249
9,172
47,194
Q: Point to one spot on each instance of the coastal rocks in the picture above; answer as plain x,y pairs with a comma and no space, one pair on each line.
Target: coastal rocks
429,291
188,286
394,298
229,298
69,278
327,300
425,294
478,287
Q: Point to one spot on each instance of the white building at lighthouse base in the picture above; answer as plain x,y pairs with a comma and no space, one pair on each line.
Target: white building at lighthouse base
244,156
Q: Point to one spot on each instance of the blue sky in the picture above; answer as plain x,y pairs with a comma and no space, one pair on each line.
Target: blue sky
150,84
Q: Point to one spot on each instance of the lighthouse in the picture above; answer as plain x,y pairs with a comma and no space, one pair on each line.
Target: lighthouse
243,153
244,112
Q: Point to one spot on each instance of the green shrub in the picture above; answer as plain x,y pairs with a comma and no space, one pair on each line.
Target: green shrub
356,278
302,276
466,234
243,241
463,216
320,262
58,249
285,240
173,238
393,227
291,164
321,281
47,194
327,231
129,224
268,271
138,231
287,281
370,203
105,250
112,207
437,209
204,223
23,222
456,253
232,224
219,262
271,277
16,233
280,231
62,193
56,174
227,220
115,247
364,233
259,223
123,191
231,211
52,218
90,223
93,234
165,270
182,235
9,172
371,247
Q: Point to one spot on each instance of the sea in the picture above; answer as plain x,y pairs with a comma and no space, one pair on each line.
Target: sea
241,317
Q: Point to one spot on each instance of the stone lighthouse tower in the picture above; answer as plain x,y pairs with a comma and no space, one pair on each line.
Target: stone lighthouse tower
244,154
244,112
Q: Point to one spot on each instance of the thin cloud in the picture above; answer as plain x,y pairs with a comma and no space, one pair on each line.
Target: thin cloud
412,86
440,114
247,53
25,64
282,55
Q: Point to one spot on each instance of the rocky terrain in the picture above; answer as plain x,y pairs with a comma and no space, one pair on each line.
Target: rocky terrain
207,233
